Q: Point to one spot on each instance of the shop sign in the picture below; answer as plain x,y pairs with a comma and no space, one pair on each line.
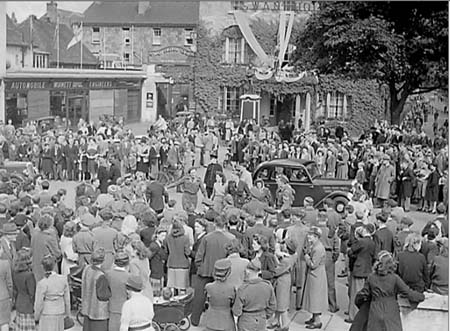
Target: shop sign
170,54
68,85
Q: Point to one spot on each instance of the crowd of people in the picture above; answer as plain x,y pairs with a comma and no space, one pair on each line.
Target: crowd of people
242,250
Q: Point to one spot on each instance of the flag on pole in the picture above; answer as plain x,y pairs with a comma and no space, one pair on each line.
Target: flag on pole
78,36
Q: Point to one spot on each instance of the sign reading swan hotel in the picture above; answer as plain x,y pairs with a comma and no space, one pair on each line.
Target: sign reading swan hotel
276,5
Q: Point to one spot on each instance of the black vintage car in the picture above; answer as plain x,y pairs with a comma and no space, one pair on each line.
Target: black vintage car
305,179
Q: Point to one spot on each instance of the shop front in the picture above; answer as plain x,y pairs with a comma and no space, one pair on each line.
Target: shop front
73,97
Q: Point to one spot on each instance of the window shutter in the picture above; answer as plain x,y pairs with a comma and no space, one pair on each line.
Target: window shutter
328,108
227,50
344,106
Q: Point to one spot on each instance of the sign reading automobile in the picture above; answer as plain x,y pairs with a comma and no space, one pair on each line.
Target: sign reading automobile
65,85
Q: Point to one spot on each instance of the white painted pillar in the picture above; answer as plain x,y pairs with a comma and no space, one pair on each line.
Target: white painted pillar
308,112
297,110
2,58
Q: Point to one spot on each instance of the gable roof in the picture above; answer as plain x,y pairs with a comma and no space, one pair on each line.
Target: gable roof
44,35
66,17
13,34
126,13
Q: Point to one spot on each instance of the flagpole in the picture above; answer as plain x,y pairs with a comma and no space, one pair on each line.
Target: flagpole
57,41
81,46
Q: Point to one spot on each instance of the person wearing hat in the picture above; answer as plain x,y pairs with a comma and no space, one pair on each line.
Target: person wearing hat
383,237
285,194
400,236
383,180
255,300
83,241
282,285
95,294
361,255
104,236
191,186
439,269
211,175
137,311
315,293
9,233
117,278
220,296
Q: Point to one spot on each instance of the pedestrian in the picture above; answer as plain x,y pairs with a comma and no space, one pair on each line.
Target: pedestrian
177,248
157,258
211,249
104,236
213,168
315,297
24,291
238,264
83,242
383,237
6,291
439,269
220,296
50,314
191,184
412,265
69,257
255,300
384,178
43,243
137,311
140,265
383,285
117,278
95,294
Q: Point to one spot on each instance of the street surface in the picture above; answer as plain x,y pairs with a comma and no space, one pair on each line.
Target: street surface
334,322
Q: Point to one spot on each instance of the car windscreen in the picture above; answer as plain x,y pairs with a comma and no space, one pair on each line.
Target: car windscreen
313,170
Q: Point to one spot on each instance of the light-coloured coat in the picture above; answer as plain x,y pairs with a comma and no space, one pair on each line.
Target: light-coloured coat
316,291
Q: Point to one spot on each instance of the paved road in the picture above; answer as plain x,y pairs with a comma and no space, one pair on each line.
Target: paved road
330,321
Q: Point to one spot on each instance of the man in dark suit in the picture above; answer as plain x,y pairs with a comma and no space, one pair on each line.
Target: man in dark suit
156,194
58,159
211,249
103,175
70,151
210,175
383,237
114,171
361,257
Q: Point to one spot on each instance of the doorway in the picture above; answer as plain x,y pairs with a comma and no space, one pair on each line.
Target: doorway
285,109
76,109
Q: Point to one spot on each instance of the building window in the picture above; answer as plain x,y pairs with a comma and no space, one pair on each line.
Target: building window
96,35
156,36
126,57
188,37
126,36
235,51
229,100
336,105
288,55
40,60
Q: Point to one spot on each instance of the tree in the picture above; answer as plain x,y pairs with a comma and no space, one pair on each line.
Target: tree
403,45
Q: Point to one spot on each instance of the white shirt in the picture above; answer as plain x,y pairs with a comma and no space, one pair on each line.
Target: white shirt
137,311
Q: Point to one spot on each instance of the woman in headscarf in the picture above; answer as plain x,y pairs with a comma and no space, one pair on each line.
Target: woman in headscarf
381,289
220,296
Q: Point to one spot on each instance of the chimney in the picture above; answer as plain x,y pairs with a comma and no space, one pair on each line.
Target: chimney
143,6
52,11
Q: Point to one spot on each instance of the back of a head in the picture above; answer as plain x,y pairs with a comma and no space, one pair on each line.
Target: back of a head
45,185
385,264
220,221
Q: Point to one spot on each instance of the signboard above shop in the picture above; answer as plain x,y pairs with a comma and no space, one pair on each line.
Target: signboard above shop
171,54
49,84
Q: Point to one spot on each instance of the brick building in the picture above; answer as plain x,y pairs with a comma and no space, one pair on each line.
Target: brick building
225,62
157,35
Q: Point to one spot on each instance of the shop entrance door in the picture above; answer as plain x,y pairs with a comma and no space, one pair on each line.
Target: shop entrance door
76,109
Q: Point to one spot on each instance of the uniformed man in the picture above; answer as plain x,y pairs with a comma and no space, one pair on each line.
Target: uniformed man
255,300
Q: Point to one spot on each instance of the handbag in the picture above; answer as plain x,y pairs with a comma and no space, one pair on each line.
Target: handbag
68,323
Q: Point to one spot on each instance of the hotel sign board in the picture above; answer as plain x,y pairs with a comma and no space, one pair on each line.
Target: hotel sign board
276,5
170,54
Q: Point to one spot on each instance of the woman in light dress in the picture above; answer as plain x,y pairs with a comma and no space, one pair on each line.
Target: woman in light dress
70,258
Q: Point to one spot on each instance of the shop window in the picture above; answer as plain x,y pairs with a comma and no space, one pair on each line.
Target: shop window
188,37
95,35
16,107
156,36
336,105
229,100
235,51
126,36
